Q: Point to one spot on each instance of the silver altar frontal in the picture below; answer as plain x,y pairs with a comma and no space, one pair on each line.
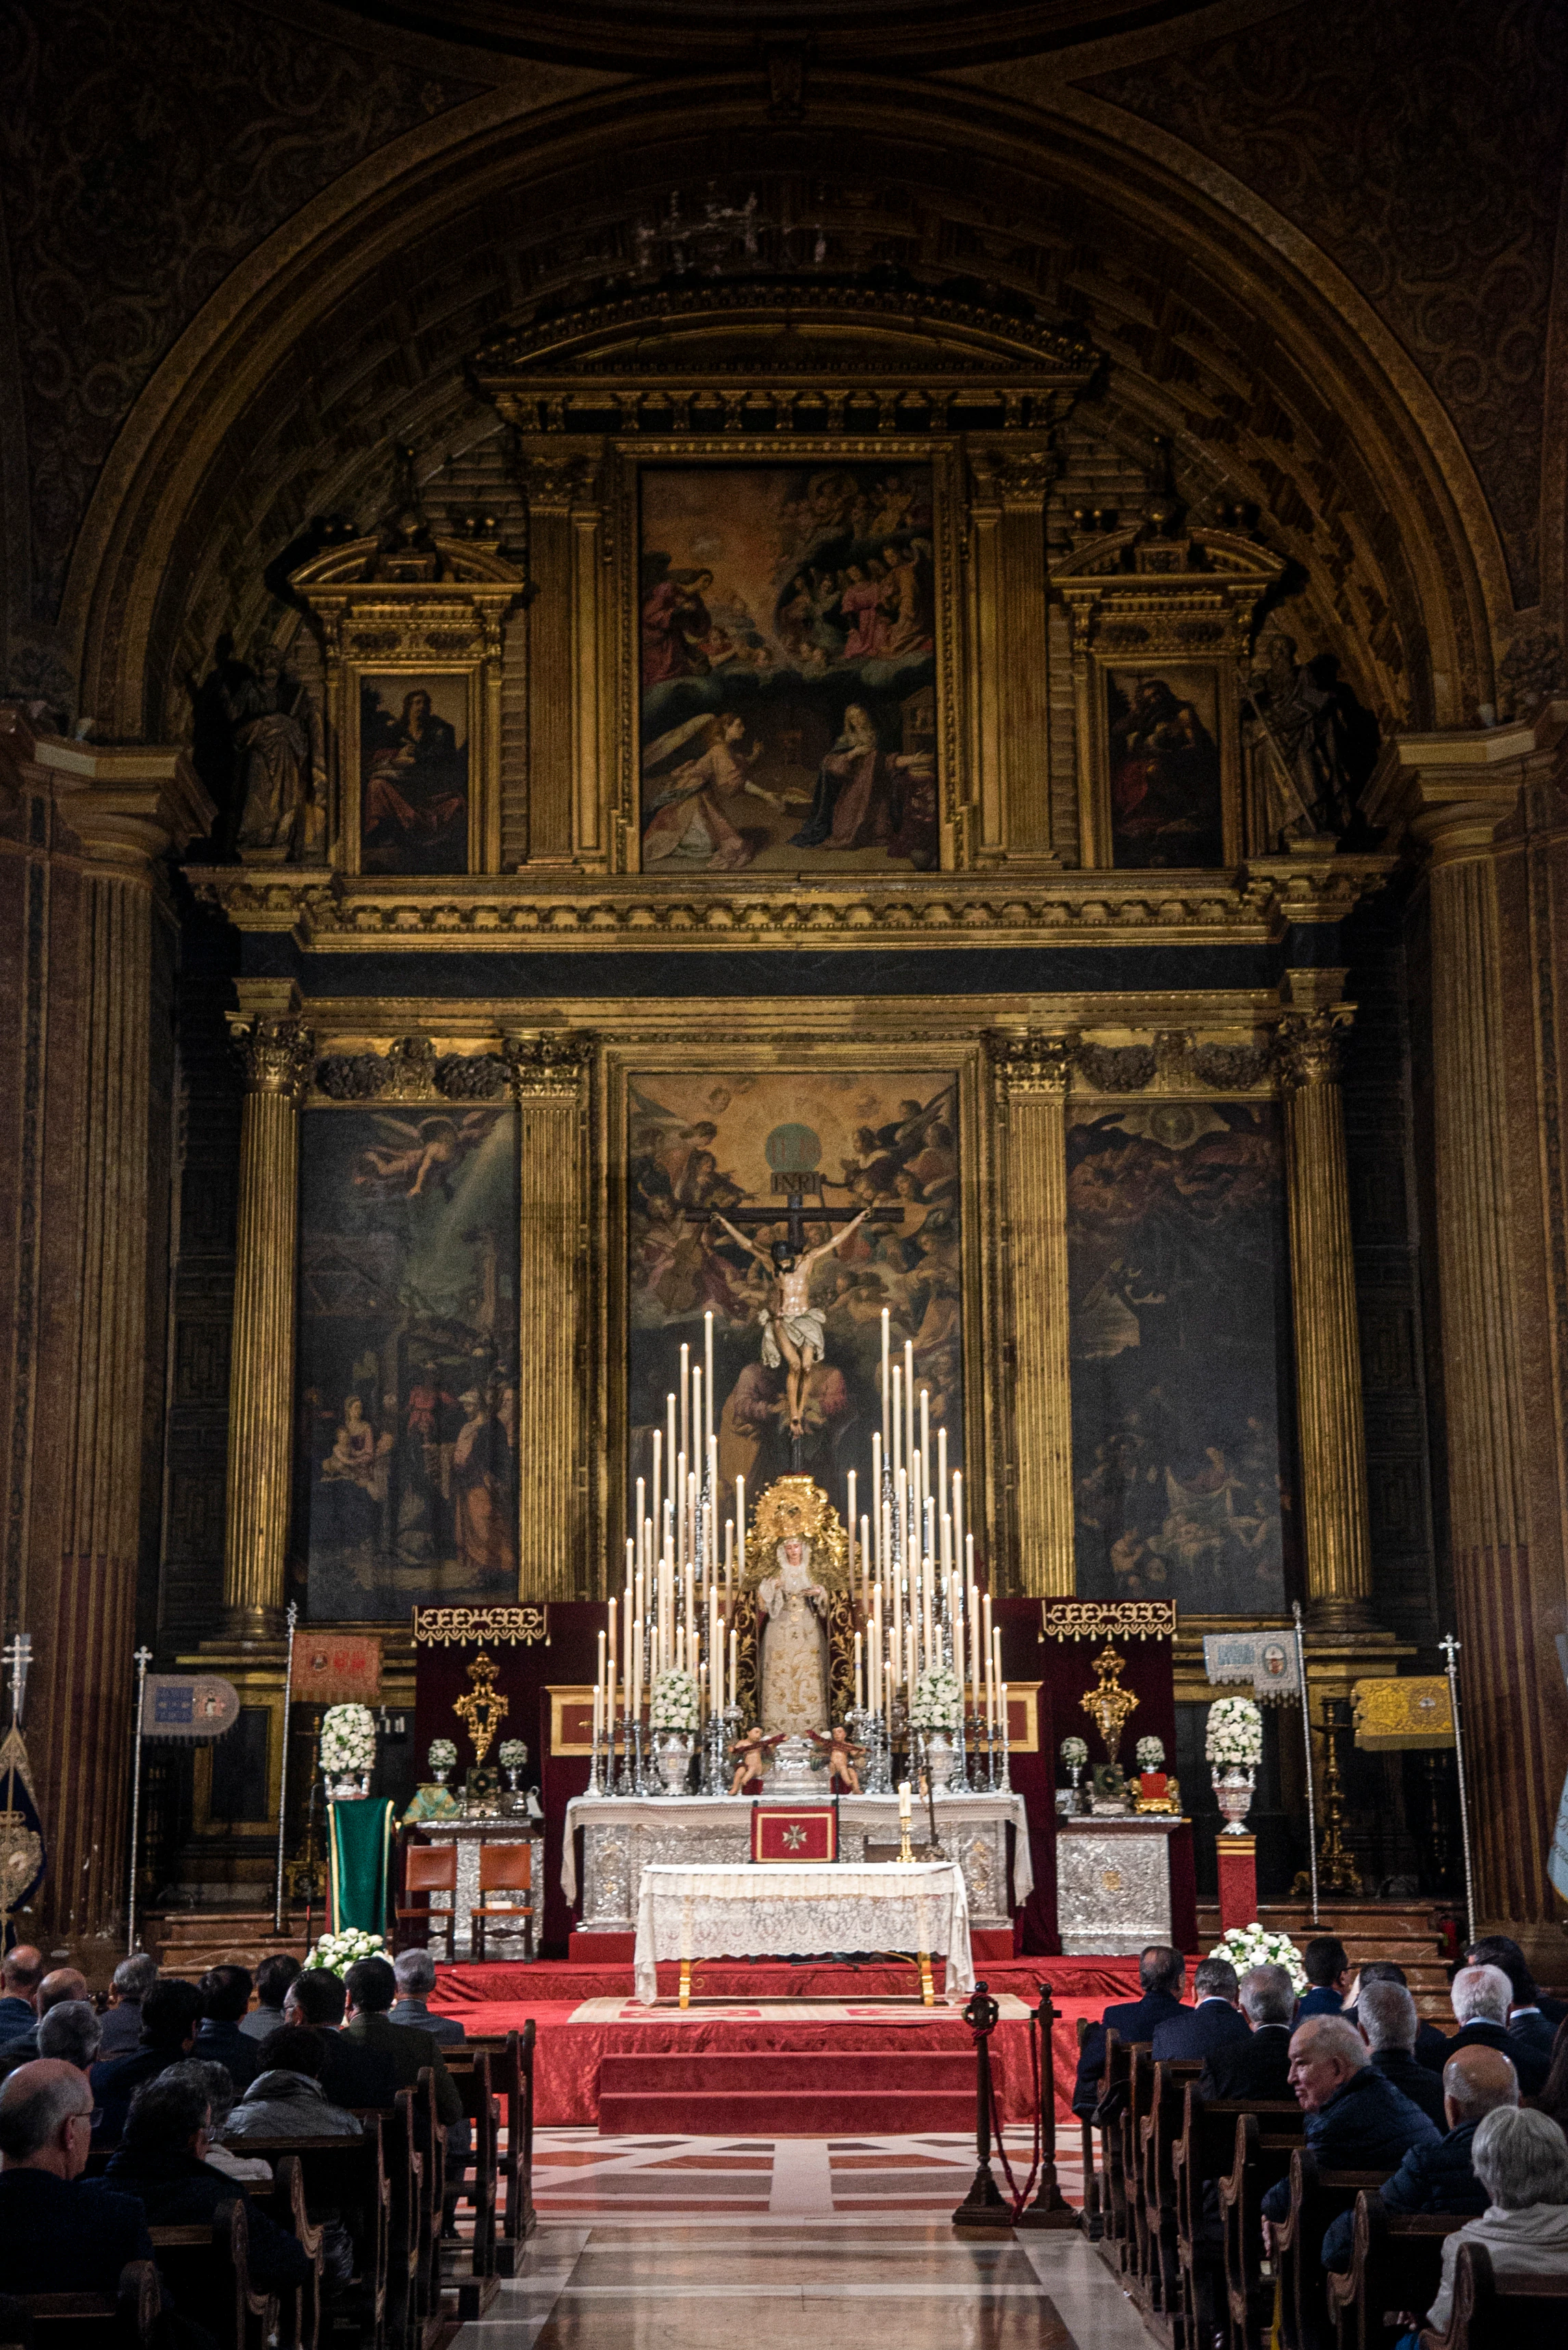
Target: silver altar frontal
505,1938
624,1835
1112,1883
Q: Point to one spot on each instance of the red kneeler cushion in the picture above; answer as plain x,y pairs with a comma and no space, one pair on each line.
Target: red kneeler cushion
794,1832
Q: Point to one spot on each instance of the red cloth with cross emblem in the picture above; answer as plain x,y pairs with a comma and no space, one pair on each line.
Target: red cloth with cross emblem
803,1832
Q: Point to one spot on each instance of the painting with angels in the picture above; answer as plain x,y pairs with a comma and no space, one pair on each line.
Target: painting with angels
1180,1337
701,1147
788,618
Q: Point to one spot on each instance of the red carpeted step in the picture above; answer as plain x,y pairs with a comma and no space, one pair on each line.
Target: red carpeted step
785,2092
786,2112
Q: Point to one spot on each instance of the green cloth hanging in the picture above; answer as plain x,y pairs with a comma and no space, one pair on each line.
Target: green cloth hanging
360,1842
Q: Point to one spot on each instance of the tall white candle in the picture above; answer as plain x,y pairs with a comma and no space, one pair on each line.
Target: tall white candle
886,1392
908,1397
877,1498
740,1530
904,1802
656,1512
866,1584
707,1380
732,1666
685,1398
924,1447
860,1674
852,1524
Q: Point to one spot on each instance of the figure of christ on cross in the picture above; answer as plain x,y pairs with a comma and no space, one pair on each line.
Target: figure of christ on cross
793,1331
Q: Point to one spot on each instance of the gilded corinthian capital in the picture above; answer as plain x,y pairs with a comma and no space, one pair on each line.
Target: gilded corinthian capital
545,1064
1310,1044
277,1053
1034,1062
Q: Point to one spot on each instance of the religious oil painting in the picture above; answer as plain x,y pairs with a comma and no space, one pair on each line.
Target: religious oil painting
413,772
1167,791
788,633
712,1164
406,1489
1179,1333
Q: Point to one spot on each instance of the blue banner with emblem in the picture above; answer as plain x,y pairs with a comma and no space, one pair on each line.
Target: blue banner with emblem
188,1707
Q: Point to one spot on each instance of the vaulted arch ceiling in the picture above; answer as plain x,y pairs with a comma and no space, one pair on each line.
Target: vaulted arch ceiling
351,327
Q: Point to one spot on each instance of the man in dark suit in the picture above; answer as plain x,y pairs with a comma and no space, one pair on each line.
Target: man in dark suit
58,2232
1327,1969
1257,2068
1162,1974
1355,2120
1441,2177
169,2014
372,1986
65,1984
416,1975
161,2160
21,1972
352,2075
1386,2019
1214,2022
1431,2045
1481,1997
225,1996
1531,2016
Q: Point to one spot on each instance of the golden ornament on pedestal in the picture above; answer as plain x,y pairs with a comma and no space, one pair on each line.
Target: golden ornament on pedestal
484,1709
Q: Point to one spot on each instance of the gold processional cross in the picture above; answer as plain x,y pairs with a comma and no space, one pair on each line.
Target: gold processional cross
483,1708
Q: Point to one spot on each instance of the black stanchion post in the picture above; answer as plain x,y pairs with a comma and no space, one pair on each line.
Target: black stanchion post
1050,2207
984,2210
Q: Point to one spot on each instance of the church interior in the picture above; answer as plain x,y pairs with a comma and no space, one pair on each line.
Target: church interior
784,1297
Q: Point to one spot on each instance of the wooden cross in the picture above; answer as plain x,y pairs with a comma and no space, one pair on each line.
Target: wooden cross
755,1218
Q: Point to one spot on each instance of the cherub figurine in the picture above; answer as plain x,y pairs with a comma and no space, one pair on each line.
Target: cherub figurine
840,1753
753,1750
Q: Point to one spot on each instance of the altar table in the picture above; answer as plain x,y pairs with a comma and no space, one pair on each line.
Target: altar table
781,1909
624,1835
1113,1883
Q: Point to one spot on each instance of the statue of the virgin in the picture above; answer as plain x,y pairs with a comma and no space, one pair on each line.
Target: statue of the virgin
798,1548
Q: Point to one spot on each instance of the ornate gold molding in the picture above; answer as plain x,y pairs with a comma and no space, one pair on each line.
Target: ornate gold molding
546,1065
1032,1064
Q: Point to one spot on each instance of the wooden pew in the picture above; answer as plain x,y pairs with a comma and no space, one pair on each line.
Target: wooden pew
125,2320
1159,2132
429,2139
510,2057
469,2069
348,2175
1134,2245
302,2305
1093,2220
207,2272
1203,2154
1493,2315
1397,2261
1260,2155
1316,2198
1115,2091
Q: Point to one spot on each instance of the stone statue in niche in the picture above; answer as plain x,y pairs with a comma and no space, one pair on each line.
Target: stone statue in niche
279,765
1299,757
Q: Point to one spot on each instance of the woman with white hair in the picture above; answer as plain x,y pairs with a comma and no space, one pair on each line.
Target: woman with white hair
1521,2160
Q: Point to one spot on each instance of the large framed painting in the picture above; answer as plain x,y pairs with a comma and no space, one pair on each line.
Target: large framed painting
414,734
731,1143
1165,779
788,627
1179,1336
406,1487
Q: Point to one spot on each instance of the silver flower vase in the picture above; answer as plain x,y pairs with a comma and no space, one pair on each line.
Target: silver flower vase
672,1750
1233,1792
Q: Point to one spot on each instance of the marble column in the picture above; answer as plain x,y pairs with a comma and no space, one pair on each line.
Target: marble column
1031,1074
279,1051
1331,1431
1489,815
549,1082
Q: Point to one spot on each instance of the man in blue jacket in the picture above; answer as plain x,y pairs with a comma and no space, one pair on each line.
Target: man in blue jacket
1212,2024
1355,2119
1162,1975
1441,2177
1327,1970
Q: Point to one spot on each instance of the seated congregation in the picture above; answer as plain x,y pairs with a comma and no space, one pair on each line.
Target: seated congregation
1267,2169
301,2160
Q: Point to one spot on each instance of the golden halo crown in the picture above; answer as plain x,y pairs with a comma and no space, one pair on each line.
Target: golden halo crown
791,1506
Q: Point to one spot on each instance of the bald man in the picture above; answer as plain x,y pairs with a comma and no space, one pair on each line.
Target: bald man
1441,2177
53,1991
59,2233
21,1972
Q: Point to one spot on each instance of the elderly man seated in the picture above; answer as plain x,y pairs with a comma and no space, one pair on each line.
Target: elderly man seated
1481,1997
163,2161
1521,2160
1441,2177
72,2031
21,1972
56,1989
416,1975
129,1986
58,2230
1355,2119
1257,2066
1386,2020
1213,2023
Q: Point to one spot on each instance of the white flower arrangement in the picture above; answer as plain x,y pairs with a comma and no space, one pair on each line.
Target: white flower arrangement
442,1753
1234,1737
673,1703
336,1953
512,1754
347,1739
1150,1752
1075,1753
1250,1946
938,1700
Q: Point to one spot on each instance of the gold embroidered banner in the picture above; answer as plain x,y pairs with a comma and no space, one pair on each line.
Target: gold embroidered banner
1415,1711
1105,1619
466,1627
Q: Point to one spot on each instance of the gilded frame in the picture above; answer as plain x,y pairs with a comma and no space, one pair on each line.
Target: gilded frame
483,757
1093,722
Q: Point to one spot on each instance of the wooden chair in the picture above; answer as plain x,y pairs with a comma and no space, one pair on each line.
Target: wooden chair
429,1869
504,1868
1395,2263
207,2270
90,2320
1507,2314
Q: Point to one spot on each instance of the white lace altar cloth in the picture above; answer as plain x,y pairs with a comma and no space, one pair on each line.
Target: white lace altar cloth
785,1910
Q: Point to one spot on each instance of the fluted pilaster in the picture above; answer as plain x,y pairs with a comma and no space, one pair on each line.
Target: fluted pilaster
278,1056
1332,1434
1031,1074
548,1082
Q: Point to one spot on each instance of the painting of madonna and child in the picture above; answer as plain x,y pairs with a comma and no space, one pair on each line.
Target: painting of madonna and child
788,623
1180,1337
413,774
710,1164
1167,791
406,1440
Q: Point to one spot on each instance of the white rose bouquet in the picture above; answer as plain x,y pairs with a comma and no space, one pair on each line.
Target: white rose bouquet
1150,1752
672,1702
512,1754
1233,1739
1075,1753
442,1753
336,1953
1250,1946
347,1739
938,1700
